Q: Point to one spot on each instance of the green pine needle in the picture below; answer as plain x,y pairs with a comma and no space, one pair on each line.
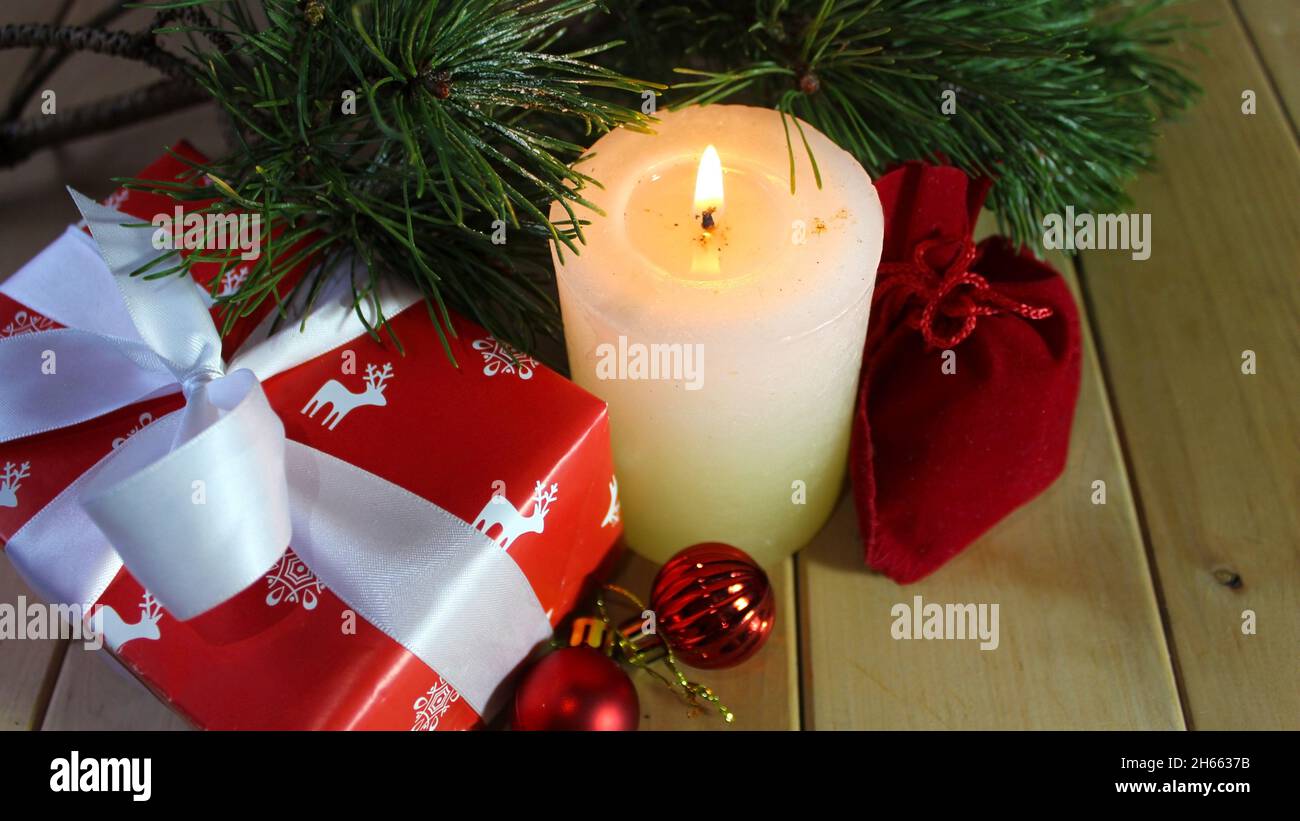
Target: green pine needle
463,121
1058,100
470,113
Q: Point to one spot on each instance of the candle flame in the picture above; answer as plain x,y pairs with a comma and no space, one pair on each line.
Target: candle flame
708,187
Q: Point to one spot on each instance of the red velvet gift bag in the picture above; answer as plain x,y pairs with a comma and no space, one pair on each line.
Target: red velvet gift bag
969,381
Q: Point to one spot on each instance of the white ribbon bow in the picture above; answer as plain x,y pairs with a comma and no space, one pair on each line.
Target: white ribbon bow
201,503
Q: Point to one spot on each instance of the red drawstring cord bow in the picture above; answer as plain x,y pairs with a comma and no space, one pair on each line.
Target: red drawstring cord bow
939,291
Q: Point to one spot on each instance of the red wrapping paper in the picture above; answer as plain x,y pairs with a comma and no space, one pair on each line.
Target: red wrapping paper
287,653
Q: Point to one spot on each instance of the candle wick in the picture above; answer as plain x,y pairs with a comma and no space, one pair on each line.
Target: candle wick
706,221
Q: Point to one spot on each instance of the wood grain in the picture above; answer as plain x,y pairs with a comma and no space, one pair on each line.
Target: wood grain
1274,29
1213,450
95,693
1081,641
28,668
1213,454
34,208
763,692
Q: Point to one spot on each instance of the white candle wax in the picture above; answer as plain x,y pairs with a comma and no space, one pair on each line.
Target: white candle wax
736,428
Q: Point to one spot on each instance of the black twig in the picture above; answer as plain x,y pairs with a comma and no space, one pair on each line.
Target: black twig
38,72
18,140
197,19
131,45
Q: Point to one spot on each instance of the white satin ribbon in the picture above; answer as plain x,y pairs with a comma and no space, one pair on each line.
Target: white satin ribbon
151,500
201,503
432,582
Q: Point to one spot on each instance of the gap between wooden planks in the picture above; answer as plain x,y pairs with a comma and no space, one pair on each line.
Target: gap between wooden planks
1273,27
28,669
1079,628
1213,450
92,694
1082,645
1081,641
758,698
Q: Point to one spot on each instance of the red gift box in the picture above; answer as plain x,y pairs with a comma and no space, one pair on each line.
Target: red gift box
483,439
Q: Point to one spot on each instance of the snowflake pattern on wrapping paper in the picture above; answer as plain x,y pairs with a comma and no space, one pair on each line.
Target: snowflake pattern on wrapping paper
145,419
291,580
117,199
499,357
433,705
232,279
26,322
114,200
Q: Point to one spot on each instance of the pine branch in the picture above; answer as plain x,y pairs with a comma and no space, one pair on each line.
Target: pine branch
461,129
1055,99
469,113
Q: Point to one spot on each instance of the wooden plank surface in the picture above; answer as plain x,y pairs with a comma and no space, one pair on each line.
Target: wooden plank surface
1081,641
94,693
28,669
763,692
34,208
1274,28
1213,454
1213,450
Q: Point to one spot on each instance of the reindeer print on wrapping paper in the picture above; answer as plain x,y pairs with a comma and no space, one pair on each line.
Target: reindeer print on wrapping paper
343,401
611,515
10,480
116,632
499,511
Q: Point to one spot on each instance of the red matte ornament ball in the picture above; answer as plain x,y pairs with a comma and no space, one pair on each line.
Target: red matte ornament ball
576,688
714,605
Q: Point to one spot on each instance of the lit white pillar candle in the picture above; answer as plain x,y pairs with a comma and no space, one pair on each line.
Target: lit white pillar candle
722,317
